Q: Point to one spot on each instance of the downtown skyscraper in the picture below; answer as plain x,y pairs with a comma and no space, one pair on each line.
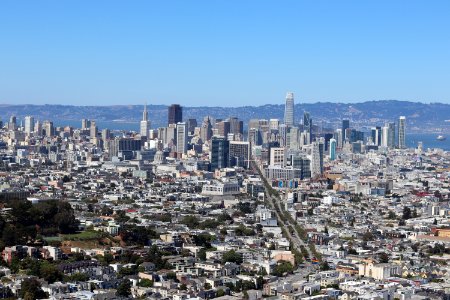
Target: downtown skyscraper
289,110
175,114
402,132
145,123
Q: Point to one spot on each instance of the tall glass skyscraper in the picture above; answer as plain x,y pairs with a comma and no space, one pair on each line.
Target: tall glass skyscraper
289,110
345,126
175,114
402,132
333,145
307,124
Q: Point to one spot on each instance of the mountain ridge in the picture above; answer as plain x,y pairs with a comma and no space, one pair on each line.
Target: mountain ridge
371,112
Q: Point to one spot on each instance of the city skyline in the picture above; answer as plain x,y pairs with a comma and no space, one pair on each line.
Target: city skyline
358,51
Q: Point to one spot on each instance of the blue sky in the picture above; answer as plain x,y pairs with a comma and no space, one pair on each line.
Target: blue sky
225,53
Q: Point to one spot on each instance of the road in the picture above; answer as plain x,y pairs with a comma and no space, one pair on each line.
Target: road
293,237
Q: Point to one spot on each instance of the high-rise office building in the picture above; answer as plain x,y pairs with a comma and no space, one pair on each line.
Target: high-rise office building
388,135
254,136
391,135
182,138
12,125
274,124
191,124
307,124
206,130
145,123
332,147
236,126
282,134
223,128
93,130
106,135
47,127
85,124
289,110
315,159
293,138
38,128
219,156
29,124
345,126
402,132
175,114
239,154
338,137
384,136
376,135
277,156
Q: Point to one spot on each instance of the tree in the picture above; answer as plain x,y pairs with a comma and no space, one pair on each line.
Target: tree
259,282
383,258
31,289
220,293
77,277
124,288
145,282
283,268
368,236
50,272
202,254
406,213
248,285
232,256
324,266
391,215
191,221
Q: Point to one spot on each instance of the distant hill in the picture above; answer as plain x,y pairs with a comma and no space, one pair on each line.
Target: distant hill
419,115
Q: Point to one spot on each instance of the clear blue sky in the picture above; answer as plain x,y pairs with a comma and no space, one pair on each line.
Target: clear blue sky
223,52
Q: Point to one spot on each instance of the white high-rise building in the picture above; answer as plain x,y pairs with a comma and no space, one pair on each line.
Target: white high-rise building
402,132
289,110
274,124
315,159
145,123
29,124
182,138
339,138
38,128
384,136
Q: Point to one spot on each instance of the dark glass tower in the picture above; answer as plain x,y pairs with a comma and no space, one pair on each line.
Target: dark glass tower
175,114
345,126
219,153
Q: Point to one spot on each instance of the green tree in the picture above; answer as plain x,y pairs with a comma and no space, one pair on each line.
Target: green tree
191,221
324,266
31,289
145,282
283,268
202,254
124,288
232,256
50,272
383,257
406,213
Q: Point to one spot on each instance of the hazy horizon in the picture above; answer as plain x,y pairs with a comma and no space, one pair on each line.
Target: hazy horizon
225,106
